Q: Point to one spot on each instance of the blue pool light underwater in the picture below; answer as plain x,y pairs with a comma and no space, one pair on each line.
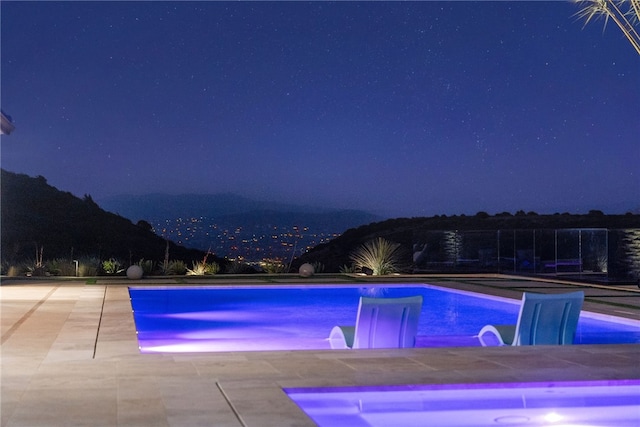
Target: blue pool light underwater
215,319
558,404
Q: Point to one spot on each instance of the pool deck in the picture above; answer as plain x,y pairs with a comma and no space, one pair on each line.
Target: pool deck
70,358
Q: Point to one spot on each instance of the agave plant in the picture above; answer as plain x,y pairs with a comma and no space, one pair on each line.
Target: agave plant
198,269
625,14
379,255
112,266
202,268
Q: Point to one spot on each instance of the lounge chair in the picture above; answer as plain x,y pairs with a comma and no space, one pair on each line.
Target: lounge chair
381,323
543,320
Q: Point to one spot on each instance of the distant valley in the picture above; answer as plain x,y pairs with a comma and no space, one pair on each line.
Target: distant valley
237,227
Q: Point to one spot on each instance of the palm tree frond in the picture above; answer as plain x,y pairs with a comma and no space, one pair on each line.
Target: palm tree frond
625,13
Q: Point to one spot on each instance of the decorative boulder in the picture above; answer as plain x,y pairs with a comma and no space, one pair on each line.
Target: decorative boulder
134,272
306,270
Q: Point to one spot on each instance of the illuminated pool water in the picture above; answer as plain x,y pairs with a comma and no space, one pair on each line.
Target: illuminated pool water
209,319
558,404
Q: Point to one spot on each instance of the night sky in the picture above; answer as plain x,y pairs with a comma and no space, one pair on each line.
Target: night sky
398,108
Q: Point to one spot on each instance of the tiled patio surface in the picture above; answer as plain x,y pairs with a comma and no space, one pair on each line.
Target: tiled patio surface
70,358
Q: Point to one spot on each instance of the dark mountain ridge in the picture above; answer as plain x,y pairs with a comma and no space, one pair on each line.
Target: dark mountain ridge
37,215
226,206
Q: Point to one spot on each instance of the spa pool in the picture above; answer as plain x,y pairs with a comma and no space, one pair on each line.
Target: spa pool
560,404
266,318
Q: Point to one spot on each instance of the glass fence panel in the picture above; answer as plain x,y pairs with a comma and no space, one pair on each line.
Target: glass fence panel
546,251
554,252
525,251
595,257
430,250
443,250
507,250
568,254
478,251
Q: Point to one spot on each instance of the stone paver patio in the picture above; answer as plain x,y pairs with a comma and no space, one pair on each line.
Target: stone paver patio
70,358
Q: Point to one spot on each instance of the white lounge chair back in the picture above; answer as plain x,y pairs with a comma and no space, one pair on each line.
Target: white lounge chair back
548,319
387,322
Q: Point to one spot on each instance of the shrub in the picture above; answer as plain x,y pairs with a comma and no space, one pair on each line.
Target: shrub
318,267
176,267
88,267
112,266
378,255
237,267
211,268
146,265
234,267
347,269
17,270
61,267
202,268
273,266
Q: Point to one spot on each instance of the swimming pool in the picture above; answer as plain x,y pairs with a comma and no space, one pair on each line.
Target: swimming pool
559,404
266,318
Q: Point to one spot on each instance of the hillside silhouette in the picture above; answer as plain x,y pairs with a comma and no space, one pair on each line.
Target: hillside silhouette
37,216
335,253
232,209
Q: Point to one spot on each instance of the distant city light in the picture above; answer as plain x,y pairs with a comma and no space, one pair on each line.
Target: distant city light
236,242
